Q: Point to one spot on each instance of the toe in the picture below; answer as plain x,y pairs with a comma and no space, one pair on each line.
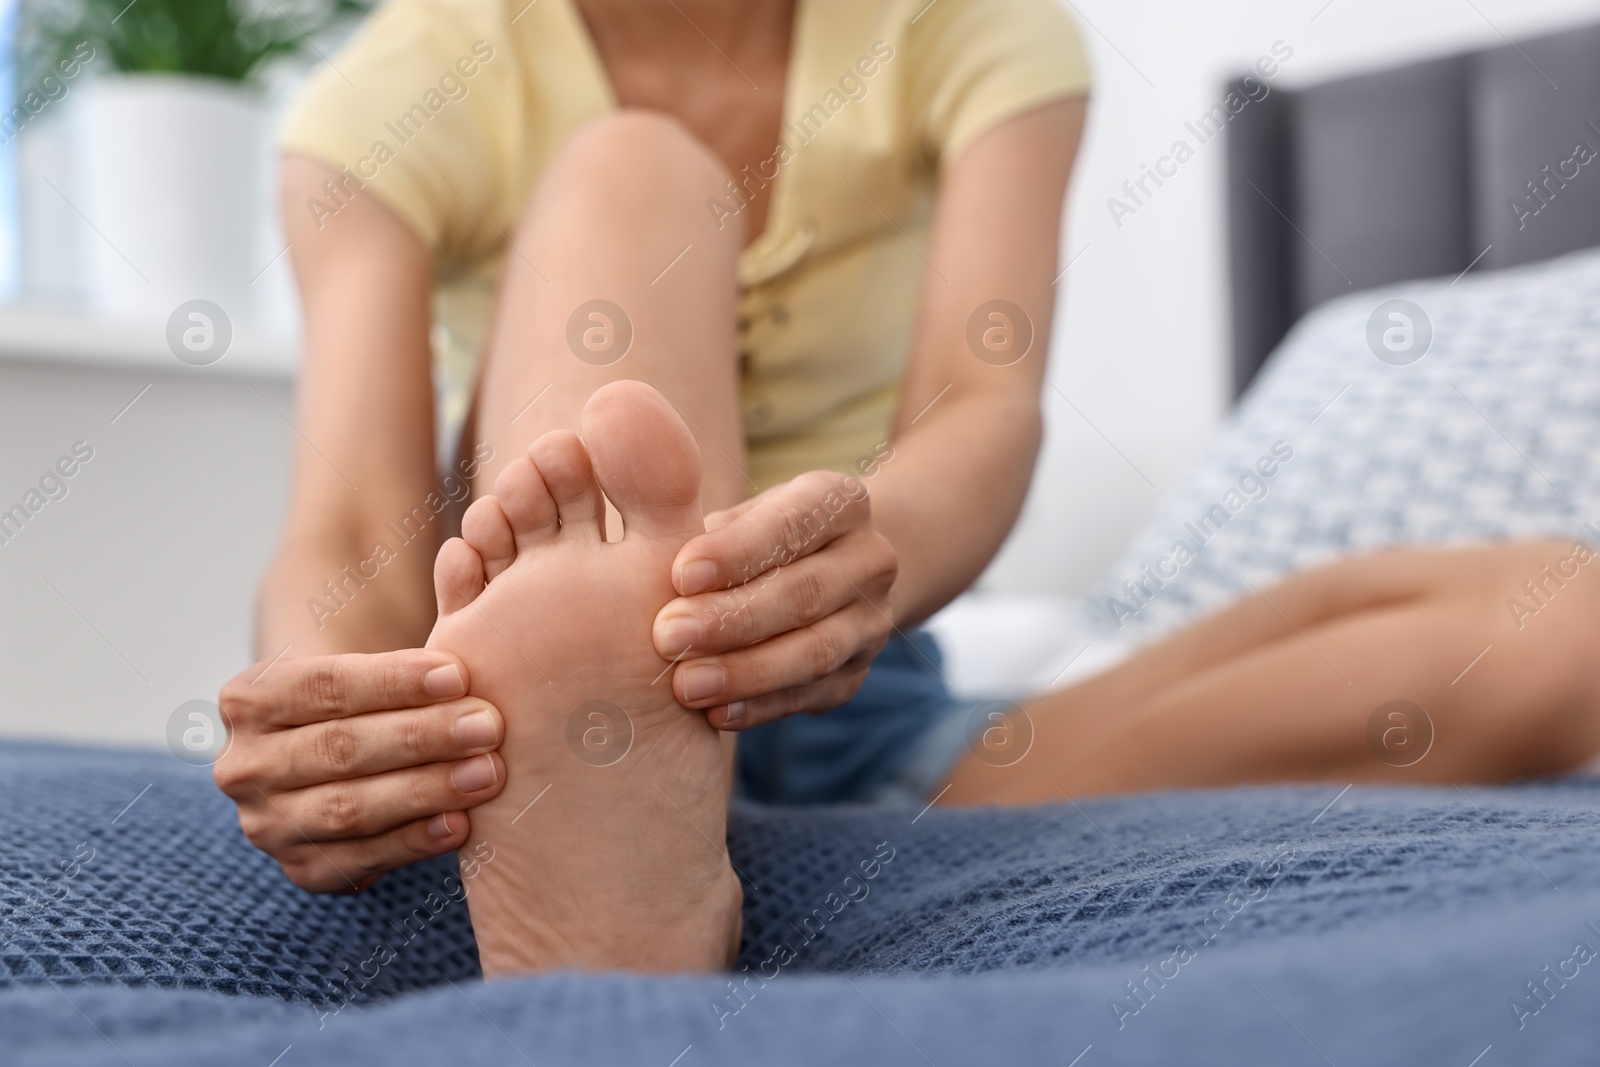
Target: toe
458,575
645,459
486,528
526,503
564,463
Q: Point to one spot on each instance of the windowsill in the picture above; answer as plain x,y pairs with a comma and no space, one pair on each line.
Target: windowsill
39,333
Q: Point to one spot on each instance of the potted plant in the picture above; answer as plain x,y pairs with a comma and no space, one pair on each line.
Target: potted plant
165,136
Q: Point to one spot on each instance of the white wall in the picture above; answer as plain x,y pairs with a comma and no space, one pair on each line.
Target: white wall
133,592
1141,345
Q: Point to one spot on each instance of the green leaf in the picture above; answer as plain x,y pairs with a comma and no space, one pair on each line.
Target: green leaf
228,39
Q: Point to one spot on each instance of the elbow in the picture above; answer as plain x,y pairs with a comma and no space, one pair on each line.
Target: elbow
1025,415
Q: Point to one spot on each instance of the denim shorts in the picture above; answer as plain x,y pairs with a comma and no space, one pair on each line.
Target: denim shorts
896,741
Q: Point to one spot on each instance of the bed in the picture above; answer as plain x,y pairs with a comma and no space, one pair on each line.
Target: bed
1368,925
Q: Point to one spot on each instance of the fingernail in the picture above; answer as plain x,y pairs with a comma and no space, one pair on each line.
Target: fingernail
696,576
439,826
474,774
476,730
702,681
442,682
680,633
734,713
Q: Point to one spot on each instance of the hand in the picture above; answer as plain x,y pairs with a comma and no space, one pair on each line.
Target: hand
783,603
345,767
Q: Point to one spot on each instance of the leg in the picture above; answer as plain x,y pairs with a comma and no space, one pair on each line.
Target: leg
624,198
606,848
609,220
1241,698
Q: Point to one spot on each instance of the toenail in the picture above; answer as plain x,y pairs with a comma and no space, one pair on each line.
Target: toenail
439,826
444,682
679,634
702,681
476,730
696,576
474,774
733,713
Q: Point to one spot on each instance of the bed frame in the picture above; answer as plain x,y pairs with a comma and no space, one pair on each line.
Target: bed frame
1464,162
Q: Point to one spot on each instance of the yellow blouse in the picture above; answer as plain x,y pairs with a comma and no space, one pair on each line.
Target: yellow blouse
449,111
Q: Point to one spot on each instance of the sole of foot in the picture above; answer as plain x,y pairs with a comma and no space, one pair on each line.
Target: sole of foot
606,849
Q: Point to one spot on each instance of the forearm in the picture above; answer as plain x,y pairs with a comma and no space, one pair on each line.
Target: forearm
352,572
969,428
951,492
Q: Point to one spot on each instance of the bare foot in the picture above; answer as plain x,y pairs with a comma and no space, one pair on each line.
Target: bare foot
621,861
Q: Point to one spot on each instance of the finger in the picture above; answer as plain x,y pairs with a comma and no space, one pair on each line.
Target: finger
790,521
351,866
861,564
293,692
851,637
340,811
717,519
376,742
822,695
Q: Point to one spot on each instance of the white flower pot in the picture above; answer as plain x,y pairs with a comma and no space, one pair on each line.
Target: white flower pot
167,175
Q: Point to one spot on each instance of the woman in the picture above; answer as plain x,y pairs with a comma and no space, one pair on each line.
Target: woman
827,234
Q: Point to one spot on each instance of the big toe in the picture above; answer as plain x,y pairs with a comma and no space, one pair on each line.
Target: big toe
645,459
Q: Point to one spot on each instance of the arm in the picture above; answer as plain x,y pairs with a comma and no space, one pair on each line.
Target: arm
960,474
935,511
364,448
345,765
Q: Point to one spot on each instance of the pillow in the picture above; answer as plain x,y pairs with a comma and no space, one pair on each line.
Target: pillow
1433,412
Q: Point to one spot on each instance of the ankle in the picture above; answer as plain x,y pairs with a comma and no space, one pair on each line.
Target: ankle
700,937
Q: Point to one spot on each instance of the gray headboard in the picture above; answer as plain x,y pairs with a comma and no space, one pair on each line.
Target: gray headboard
1406,173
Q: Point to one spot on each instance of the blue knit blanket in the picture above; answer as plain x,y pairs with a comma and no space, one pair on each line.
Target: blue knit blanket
1243,926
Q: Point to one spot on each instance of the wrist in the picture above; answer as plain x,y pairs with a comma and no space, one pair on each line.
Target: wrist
921,589
322,603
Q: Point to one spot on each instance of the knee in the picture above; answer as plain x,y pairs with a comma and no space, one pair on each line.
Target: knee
633,138
634,160
1531,570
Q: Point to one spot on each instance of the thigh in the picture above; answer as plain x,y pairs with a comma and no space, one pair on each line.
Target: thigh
617,270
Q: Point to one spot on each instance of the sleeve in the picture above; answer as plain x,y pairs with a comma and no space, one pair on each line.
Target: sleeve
976,63
421,107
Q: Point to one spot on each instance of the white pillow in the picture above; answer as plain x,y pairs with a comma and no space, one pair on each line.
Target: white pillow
1493,432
